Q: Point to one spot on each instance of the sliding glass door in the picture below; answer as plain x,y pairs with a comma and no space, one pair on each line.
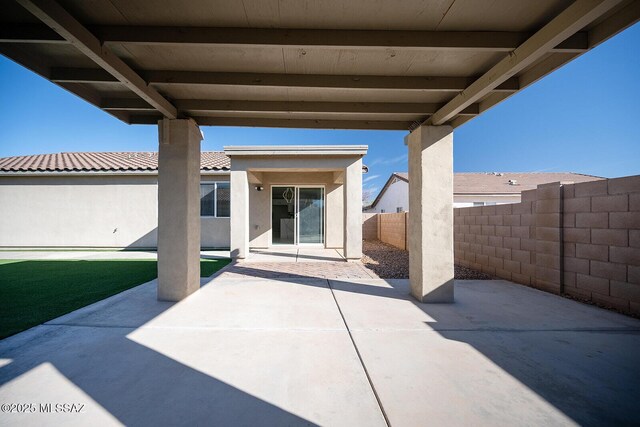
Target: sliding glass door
297,215
310,215
283,215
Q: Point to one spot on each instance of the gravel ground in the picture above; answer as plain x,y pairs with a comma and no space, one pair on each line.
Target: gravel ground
389,262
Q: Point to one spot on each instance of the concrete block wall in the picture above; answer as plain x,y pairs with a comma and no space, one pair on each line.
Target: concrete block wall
497,240
547,220
602,242
389,228
579,239
369,226
393,229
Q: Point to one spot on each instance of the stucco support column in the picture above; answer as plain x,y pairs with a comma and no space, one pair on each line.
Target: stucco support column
353,211
178,209
431,213
239,213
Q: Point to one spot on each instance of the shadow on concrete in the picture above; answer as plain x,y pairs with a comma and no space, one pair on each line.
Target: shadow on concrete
294,255
134,383
332,271
579,358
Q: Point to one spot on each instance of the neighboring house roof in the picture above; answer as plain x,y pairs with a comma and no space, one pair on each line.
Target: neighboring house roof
103,162
511,182
496,182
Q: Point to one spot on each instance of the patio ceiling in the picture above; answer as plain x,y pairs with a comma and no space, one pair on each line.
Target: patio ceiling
312,64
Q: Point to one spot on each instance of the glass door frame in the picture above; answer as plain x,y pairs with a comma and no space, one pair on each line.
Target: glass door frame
296,233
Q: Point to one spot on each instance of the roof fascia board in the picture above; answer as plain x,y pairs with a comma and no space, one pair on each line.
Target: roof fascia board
297,150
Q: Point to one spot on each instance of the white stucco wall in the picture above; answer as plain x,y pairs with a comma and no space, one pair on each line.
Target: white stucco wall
89,211
397,195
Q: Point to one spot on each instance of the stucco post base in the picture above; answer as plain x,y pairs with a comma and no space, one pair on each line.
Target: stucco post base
431,213
353,211
178,209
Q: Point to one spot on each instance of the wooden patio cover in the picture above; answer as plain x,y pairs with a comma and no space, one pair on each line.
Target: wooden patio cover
352,64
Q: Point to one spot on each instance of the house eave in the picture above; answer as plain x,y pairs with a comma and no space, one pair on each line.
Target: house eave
296,150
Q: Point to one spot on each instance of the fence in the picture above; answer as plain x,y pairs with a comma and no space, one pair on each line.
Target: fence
577,239
390,228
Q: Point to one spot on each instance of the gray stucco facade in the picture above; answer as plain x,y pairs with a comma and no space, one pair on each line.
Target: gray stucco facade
119,209
90,210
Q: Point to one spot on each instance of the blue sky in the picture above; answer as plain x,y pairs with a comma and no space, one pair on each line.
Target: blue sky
583,118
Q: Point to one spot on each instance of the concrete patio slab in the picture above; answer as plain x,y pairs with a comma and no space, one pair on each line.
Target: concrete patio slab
177,376
303,304
312,351
252,304
502,354
481,305
241,353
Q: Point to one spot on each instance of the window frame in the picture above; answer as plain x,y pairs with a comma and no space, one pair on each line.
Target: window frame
215,198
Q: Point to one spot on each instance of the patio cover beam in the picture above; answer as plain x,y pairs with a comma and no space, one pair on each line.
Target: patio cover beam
206,105
56,17
575,17
285,123
437,84
492,41
489,41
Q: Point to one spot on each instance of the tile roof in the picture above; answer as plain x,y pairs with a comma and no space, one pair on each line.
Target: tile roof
103,162
499,182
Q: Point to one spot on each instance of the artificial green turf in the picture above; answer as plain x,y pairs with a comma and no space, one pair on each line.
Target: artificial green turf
35,291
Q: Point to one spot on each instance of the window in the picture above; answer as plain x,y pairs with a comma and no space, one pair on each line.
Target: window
215,199
478,203
207,199
223,200
381,210
399,210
